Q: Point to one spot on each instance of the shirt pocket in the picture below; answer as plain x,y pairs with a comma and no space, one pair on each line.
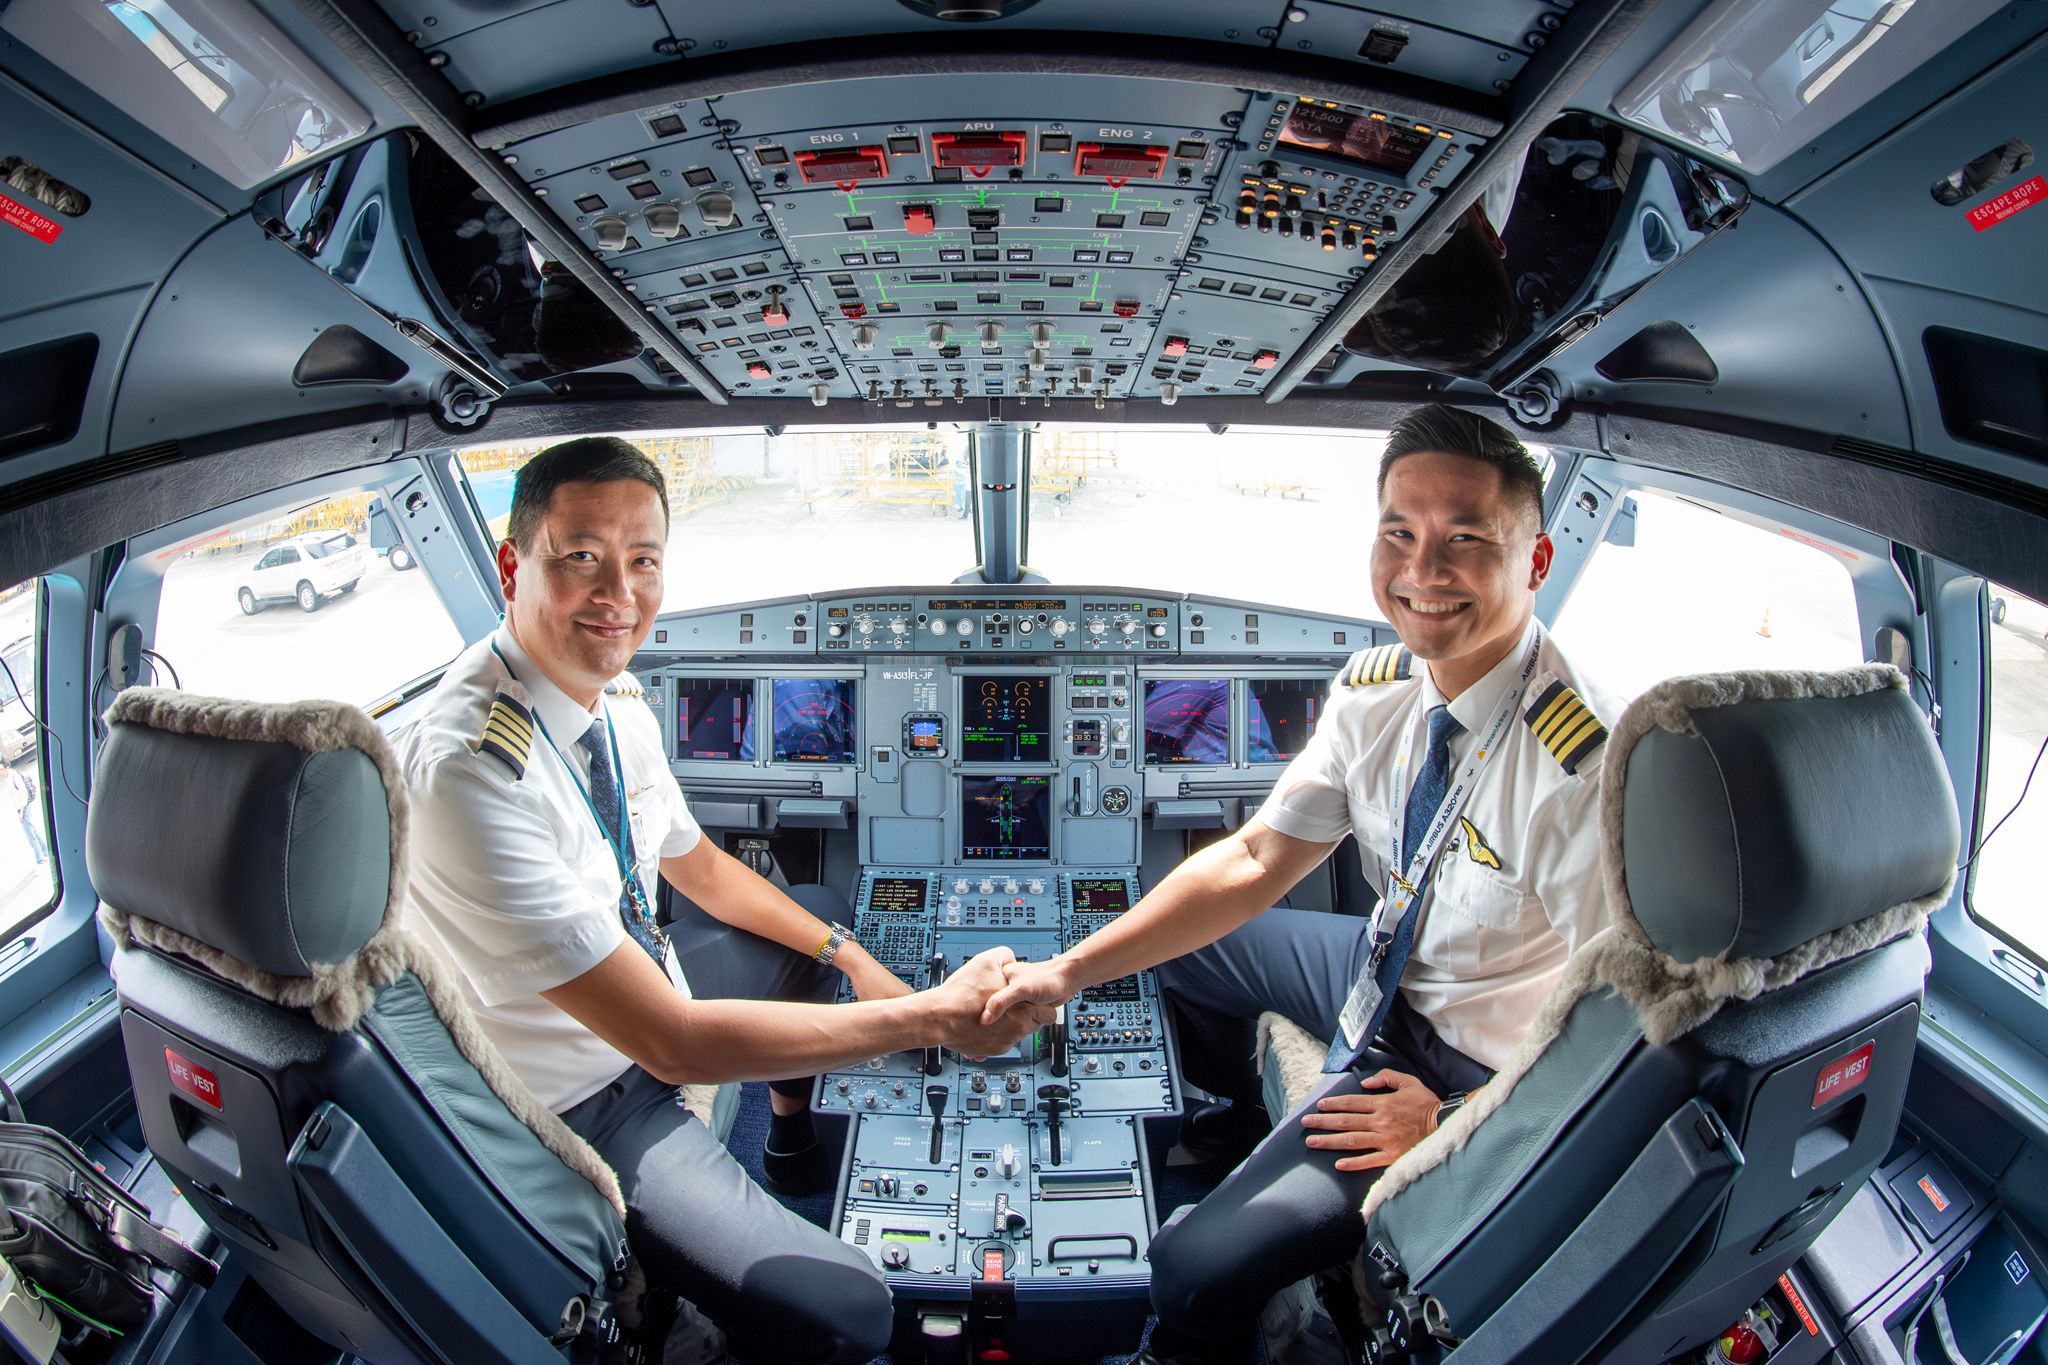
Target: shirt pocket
1484,923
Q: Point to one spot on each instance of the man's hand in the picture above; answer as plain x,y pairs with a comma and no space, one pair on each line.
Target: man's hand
872,981
1395,1112
964,1025
1042,984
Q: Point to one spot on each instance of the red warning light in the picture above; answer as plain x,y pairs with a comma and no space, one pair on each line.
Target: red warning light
757,369
978,153
919,220
1125,308
853,311
1175,348
1119,162
775,314
1265,360
842,166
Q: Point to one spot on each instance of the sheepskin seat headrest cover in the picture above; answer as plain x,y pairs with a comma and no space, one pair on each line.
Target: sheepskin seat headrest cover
267,832
1752,827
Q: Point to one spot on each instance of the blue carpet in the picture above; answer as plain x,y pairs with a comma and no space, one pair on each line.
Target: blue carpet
1182,1185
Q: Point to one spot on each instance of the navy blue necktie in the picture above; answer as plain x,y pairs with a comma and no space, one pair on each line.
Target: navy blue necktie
1431,782
604,795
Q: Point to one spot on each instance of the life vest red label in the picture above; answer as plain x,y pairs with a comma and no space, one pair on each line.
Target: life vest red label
1841,1076
28,220
192,1078
2015,200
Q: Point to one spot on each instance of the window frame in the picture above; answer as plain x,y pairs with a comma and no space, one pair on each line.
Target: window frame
1982,818
39,682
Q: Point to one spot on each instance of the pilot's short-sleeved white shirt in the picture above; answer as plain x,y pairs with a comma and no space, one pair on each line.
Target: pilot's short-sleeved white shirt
1492,940
511,876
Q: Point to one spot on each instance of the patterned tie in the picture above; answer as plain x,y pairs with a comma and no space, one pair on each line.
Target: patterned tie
1424,798
604,795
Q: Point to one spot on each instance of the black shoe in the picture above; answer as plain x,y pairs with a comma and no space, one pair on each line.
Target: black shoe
1220,1134
793,1175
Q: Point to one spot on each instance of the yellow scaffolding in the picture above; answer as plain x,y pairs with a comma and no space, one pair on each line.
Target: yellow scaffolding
887,468
1062,461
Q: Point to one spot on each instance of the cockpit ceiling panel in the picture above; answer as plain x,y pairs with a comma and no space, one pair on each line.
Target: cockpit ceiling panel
1484,52
557,44
935,240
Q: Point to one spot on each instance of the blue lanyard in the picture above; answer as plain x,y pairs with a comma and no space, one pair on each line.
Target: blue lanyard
616,841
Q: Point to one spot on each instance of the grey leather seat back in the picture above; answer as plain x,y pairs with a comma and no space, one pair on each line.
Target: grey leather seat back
1724,1067
289,1052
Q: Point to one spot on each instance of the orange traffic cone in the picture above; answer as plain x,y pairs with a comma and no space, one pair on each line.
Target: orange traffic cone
1765,629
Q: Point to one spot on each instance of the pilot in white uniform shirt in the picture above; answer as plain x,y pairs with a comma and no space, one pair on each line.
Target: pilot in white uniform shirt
1517,885
510,874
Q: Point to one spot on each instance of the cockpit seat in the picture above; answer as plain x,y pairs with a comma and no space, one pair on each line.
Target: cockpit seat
1720,1070
306,1068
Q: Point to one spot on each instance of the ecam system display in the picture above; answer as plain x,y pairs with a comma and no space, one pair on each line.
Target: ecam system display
1006,718
1005,818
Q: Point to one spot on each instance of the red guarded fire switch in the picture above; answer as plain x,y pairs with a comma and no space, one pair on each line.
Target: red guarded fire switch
1265,360
1125,308
757,369
853,311
1175,348
776,314
919,220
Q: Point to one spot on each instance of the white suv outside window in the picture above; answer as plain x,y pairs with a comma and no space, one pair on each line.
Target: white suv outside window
306,569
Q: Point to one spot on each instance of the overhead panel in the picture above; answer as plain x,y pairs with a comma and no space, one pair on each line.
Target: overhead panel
491,53
912,244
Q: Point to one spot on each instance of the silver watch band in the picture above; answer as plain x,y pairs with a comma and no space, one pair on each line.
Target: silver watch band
840,933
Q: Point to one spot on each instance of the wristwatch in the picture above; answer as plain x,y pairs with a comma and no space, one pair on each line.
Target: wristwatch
829,949
1451,1105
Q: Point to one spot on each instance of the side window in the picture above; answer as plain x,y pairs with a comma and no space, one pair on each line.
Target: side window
2005,890
1700,592
348,625
28,874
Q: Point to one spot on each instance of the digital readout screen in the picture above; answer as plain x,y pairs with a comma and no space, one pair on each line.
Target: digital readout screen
1281,716
1104,895
924,734
814,720
1370,142
997,604
1006,817
1187,720
715,719
1005,720
898,893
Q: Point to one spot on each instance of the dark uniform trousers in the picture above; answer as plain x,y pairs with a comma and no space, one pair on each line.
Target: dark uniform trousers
784,1289
1287,1211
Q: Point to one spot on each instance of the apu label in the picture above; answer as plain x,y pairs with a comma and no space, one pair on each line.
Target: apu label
2015,200
28,220
192,1078
1839,1077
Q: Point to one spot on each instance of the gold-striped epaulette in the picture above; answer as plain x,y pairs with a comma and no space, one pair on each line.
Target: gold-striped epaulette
508,734
625,685
1565,725
1383,664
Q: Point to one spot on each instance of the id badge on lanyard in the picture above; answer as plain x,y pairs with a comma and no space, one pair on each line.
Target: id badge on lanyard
1404,886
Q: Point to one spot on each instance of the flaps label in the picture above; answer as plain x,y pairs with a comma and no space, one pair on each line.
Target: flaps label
1841,1076
192,1078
